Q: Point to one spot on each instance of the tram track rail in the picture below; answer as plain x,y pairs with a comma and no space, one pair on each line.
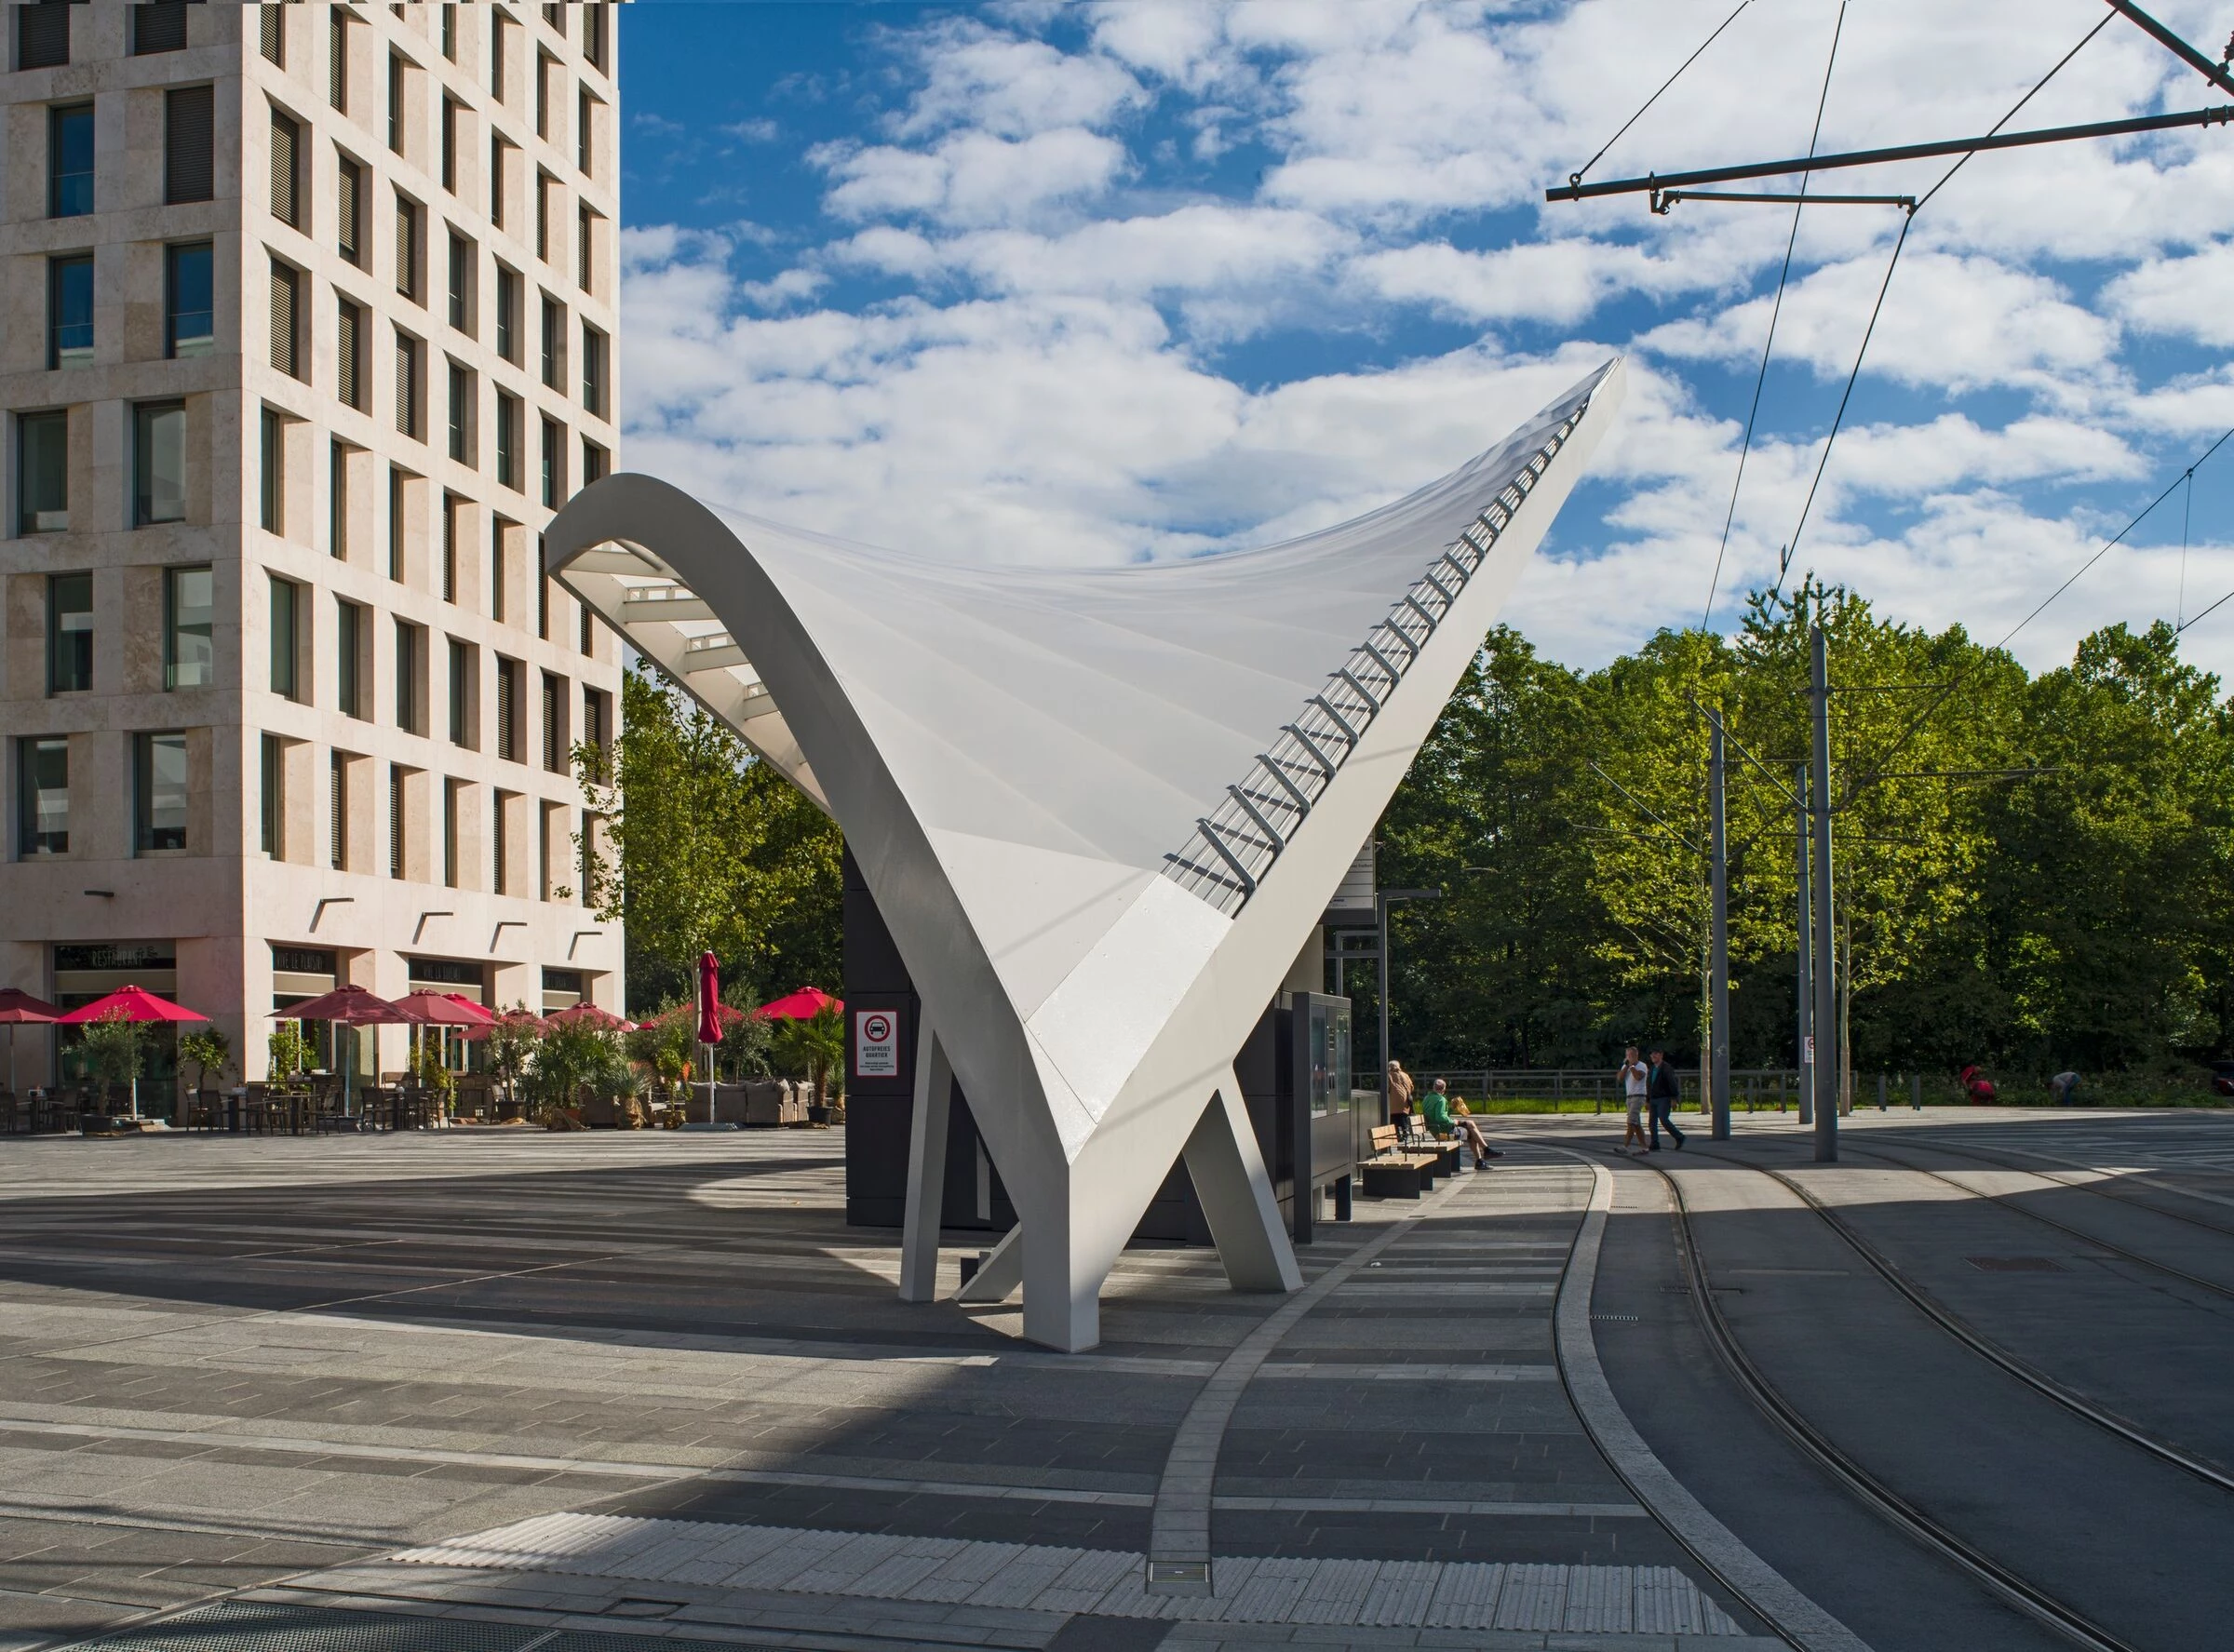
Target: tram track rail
1900,1511
2000,1160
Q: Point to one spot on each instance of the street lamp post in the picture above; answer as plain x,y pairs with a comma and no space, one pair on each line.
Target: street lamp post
1382,900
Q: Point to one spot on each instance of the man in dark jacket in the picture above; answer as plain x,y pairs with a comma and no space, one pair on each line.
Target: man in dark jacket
1663,1090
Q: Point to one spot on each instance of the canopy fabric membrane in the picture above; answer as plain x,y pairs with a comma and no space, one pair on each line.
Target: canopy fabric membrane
351,1006
803,1005
18,1008
134,1004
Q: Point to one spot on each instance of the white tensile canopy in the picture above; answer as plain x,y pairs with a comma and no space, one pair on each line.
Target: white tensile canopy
1101,809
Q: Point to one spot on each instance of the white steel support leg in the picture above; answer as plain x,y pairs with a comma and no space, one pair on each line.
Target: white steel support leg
1000,1273
1236,1195
926,1168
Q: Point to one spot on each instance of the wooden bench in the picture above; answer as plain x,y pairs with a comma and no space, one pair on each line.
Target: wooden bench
1393,1171
1414,1137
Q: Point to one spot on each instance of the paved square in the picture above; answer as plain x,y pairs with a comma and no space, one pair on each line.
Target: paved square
630,1384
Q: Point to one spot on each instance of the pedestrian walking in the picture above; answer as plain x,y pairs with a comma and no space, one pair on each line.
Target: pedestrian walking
1399,1089
1634,1075
1663,1090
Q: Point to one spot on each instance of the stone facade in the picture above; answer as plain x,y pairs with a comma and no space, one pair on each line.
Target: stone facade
331,696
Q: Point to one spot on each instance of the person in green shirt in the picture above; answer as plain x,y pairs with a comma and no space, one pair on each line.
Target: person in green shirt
1436,1106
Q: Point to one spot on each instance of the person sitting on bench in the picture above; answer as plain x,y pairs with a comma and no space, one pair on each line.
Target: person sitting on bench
1441,1121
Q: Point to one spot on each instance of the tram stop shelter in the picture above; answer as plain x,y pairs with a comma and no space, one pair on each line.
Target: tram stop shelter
1099,813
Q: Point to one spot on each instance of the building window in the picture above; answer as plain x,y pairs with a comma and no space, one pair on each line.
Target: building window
409,218
159,793
496,181
337,812
287,352
70,161
42,787
499,24
349,643
189,620
496,569
69,311
452,505
43,473
593,35
545,812
597,711
449,144
407,385
396,784
287,602
449,32
337,501
349,212
349,354
553,723
507,710
69,633
273,791
158,27
554,465
189,144
585,129
395,74
593,463
273,37
461,283
158,464
337,58
554,345
189,300
407,662
395,524
500,880
542,592
555,16
508,292
450,788
543,95
461,693
286,167
508,413
542,215
461,414
585,250
584,635
273,459
42,35
593,370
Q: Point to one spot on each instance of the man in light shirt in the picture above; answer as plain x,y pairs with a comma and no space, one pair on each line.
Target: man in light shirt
1635,1076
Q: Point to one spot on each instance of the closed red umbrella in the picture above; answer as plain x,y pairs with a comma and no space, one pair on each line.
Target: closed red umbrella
709,998
18,1008
133,1005
803,1005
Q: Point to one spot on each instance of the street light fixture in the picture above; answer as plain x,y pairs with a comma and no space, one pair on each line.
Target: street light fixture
1382,900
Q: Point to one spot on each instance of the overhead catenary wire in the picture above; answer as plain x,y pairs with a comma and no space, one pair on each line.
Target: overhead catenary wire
1839,421
1776,310
1576,176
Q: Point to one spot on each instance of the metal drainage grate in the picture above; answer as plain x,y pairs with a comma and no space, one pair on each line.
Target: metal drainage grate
258,1626
1613,1319
2016,1264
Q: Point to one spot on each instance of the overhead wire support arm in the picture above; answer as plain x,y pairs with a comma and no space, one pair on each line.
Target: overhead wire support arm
1664,199
2217,115
2214,72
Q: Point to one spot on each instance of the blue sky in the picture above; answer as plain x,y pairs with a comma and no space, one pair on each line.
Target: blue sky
1091,282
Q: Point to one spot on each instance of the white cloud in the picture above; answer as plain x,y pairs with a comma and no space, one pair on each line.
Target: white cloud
2193,296
972,178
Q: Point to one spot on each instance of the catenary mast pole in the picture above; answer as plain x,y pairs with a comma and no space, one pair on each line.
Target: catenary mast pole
1803,1038
1718,995
1826,1000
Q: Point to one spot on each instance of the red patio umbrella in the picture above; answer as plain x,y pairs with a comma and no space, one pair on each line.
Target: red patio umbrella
519,1015
481,1013
586,1015
348,1006
803,1005
134,1005
18,1008
429,1008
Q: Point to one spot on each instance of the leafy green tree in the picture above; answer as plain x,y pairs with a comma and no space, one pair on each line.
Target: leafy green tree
705,847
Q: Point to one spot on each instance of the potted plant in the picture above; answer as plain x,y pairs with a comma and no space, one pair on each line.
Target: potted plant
512,1051
114,1049
284,1047
208,1051
817,1046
